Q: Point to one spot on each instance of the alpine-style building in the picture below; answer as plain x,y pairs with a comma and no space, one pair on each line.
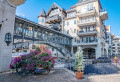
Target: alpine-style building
85,22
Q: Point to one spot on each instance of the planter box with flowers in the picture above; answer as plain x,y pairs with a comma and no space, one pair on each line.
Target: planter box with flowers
35,61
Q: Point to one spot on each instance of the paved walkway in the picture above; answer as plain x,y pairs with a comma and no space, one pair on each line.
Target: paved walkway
57,76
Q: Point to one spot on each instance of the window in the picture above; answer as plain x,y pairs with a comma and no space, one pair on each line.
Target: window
75,22
85,19
93,18
81,20
113,44
86,29
88,19
70,15
80,0
87,39
54,10
39,20
75,39
81,29
113,47
52,49
82,39
91,7
93,28
119,44
94,38
42,19
118,48
88,8
67,23
89,28
113,50
67,31
75,31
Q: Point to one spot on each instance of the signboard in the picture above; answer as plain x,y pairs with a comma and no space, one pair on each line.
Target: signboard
115,60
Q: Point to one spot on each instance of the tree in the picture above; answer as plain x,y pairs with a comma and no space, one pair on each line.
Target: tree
79,60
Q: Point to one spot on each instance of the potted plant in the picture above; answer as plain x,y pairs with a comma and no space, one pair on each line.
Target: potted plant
79,66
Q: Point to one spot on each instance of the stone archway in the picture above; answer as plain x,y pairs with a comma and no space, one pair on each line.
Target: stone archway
89,53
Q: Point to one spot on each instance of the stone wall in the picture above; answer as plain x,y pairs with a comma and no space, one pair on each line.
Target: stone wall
7,11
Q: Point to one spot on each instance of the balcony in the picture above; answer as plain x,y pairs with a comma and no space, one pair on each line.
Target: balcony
53,19
103,15
91,22
56,26
87,43
82,33
90,12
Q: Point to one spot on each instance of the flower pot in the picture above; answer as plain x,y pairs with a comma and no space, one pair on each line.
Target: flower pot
79,75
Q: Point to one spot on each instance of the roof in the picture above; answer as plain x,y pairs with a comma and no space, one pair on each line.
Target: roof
74,6
70,10
42,14
42,27
54,5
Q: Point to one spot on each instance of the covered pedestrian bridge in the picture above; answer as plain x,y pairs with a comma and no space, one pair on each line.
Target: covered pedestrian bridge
27,32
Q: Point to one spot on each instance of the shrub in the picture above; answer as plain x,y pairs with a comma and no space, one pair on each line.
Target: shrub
41,57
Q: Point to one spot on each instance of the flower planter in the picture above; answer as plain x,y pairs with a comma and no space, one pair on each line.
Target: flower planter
79,75
39,60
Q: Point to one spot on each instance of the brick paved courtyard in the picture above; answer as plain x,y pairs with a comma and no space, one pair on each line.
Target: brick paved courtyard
57,76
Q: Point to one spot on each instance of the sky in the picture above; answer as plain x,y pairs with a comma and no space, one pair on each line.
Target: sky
32,8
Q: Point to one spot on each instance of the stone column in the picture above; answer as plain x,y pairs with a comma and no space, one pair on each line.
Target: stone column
72,49
7,11
98,49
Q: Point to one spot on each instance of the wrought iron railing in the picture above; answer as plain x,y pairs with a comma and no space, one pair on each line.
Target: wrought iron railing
55,17
88,31
86,41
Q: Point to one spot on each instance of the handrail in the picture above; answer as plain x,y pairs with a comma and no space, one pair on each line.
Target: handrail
103,10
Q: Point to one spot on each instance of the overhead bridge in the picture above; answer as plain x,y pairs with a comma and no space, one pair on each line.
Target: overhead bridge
27,32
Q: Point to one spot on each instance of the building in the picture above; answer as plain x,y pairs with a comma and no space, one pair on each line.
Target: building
115,45
108,33
7,19
108,39
85,22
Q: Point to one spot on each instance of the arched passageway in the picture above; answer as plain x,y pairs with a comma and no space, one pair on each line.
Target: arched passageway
89,53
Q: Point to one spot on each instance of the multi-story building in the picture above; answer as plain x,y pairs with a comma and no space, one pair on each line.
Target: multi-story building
115,45
83,21
108,39
108,32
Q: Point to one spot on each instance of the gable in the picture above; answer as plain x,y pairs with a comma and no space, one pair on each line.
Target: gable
53,8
